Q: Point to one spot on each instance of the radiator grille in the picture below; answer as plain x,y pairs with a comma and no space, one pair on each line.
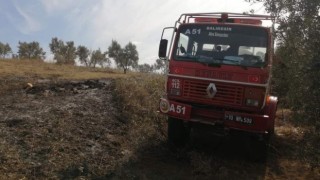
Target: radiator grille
227,94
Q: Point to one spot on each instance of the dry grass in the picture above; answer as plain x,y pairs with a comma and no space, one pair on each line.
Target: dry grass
138,98
38,69
16,73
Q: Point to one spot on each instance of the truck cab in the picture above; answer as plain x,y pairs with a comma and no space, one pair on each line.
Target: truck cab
218,74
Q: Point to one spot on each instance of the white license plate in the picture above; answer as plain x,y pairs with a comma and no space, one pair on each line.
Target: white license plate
240,119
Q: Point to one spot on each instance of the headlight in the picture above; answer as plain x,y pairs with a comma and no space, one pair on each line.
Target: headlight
252,102
164,105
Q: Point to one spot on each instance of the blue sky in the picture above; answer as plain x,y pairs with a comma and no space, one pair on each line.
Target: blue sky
94,23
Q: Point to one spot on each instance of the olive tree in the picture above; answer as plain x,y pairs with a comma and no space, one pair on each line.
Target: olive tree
145,68
5,49
160,65
124,57
64,53
100,58
83,53
30,50
298,38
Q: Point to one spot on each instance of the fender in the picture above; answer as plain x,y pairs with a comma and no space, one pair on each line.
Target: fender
270,110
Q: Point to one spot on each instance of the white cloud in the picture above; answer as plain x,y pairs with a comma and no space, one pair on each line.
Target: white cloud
139,21
54,6
29,24
137,42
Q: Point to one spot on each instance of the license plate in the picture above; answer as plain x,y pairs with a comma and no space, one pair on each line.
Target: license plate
180,110
238,118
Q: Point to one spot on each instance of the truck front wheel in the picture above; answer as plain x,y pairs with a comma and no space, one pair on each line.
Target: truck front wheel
258,149
178,134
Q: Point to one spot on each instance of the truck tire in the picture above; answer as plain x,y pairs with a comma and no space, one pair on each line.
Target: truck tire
258,149
178,134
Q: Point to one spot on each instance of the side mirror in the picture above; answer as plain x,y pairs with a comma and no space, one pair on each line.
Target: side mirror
163,48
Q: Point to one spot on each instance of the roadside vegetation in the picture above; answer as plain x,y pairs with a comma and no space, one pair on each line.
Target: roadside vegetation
137,99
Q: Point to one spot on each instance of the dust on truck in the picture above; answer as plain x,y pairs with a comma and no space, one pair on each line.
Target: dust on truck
218,74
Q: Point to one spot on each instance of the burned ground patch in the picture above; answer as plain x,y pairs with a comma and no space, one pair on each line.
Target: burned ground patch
60,130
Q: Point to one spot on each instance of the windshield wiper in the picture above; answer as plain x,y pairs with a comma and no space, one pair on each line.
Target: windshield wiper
208,62
235,63
214,64
204,61
243,67
186,57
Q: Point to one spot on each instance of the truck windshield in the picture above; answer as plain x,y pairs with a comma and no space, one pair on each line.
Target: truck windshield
221,44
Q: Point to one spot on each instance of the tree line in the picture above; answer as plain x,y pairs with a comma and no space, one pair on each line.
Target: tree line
126,57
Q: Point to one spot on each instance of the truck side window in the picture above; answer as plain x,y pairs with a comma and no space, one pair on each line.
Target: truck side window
183,42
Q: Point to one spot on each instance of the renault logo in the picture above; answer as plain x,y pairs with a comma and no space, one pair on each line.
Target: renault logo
211,90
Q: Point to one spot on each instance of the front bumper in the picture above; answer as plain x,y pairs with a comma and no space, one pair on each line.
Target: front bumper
249,122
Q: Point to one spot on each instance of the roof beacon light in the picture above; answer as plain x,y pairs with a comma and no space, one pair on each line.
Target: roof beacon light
224,17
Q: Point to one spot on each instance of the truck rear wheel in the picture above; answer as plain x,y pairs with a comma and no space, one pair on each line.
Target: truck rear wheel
178,134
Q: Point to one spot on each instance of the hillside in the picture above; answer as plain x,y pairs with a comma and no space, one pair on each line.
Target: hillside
79,123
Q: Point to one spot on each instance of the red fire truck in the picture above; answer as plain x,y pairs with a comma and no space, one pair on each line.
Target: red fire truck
218,74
